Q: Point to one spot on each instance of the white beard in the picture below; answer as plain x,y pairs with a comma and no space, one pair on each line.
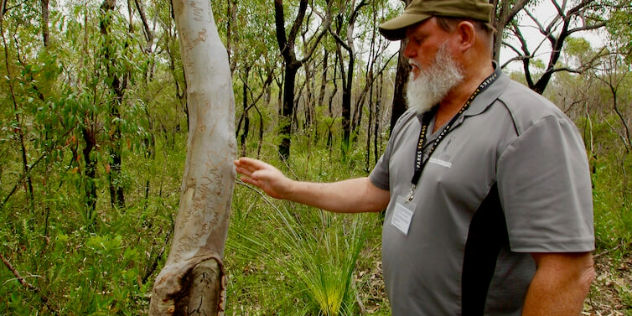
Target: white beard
434,83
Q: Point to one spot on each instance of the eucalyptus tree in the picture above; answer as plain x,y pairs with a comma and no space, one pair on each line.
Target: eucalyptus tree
192,282
19,126
31,73
328,48
348,73
253,61
231,31
376,61
44,5
171,47
148,88
614,74
505,14
286,43
620,25
117,78
570,17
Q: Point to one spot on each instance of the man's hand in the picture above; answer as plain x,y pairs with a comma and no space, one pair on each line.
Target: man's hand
347,196
264,176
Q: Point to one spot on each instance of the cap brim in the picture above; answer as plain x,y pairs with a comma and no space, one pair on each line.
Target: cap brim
395,29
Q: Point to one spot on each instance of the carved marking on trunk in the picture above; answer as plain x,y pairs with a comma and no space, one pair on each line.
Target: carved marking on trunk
198,13
192,281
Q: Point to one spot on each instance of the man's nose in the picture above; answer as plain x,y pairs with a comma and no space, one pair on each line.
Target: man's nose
409,50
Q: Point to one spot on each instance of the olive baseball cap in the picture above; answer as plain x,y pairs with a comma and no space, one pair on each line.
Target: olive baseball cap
421,10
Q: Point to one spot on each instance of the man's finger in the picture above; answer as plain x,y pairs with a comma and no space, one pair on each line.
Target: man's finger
244,171
248,180
251,164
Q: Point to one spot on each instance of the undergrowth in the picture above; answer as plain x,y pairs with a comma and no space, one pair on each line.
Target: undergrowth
282,258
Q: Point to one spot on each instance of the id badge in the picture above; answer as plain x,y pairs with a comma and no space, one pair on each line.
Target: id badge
403,214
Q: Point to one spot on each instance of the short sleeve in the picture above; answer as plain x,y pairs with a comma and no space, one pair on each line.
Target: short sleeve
379,176
545,189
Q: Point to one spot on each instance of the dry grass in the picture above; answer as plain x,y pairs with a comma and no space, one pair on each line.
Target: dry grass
611,293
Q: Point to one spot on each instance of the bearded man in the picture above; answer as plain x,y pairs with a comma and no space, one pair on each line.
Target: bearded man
485,183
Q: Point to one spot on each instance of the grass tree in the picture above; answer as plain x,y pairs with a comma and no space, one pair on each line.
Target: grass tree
191,282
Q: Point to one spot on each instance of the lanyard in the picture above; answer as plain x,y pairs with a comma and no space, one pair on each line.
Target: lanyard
420,164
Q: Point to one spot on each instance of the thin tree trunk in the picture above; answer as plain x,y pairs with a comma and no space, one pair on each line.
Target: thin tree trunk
192,281
377,125
150,149
369,130
45,31
347,82
90,185
286,44
231,32
181,87
401,78
117,87
19,128
330,136
321,93
287,111
307,104
245,116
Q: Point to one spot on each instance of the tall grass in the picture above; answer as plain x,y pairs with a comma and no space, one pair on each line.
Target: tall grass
306,256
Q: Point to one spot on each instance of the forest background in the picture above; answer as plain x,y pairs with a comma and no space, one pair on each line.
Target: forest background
93,128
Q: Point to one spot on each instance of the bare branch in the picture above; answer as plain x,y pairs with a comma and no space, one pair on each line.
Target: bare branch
560,10
154,265
27,285
567,69
587,28
339,40
536,21
520,54
519,5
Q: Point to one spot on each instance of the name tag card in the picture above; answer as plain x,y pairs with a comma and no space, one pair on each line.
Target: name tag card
403,215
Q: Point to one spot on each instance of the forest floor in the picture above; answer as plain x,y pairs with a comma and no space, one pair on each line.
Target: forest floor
611,293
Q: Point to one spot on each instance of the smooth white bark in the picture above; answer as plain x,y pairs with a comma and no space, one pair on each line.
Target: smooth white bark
192,278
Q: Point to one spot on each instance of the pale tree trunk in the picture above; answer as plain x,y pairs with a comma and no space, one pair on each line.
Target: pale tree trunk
193,279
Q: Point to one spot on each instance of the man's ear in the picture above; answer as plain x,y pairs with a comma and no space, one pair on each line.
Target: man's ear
467,35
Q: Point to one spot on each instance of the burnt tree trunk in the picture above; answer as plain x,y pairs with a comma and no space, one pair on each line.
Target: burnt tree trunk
287,43
401,79
117,86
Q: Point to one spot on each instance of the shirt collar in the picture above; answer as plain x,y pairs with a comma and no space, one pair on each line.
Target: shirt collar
487,97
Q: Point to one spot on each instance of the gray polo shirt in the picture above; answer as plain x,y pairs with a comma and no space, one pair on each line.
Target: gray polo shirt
510,178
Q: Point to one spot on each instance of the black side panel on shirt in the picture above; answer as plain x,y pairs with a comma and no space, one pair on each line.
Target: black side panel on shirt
486,237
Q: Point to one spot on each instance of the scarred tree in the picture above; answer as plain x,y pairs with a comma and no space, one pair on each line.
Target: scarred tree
192,280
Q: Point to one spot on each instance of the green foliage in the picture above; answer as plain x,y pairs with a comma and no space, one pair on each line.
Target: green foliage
313,253
79,272
620,24
307,257
282,258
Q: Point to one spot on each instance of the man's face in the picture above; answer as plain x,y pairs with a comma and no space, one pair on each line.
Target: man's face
434,71
424,40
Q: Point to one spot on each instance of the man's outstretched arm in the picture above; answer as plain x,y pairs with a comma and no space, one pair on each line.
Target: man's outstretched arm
348,196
